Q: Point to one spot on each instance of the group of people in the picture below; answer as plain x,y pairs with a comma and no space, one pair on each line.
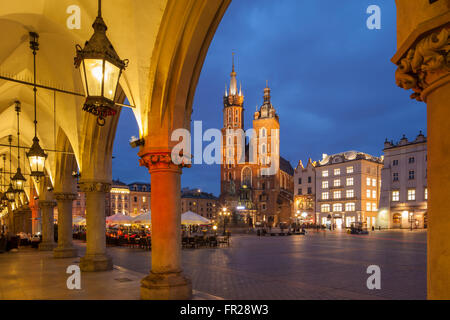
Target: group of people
10,241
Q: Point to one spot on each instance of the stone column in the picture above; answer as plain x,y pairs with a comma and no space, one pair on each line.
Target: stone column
96,258
48,237
425,69
65,248
166,280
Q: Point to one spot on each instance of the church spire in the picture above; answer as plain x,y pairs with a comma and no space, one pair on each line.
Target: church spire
233,82
267,93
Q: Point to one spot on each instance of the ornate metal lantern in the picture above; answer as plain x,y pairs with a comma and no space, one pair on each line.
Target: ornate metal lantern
10,194
36,157
18,181
100,68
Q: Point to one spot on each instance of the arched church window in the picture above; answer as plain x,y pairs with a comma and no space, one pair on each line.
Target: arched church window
263,148
263,132
247,176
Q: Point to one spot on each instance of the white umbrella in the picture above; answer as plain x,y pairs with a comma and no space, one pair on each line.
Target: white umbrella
79,221
144,218
190,217
118,218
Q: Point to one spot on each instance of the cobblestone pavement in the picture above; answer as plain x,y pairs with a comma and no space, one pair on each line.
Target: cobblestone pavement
320,265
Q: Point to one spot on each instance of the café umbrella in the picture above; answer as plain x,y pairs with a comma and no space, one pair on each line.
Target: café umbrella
119,218
190,218
144,218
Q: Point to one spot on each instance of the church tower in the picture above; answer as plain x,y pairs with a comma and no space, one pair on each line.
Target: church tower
265,119
233,118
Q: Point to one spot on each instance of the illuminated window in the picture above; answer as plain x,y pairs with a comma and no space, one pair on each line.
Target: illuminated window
337,183
325,208
337,207
325,173
374,206
374,194
411,194
374,182
350,193
337,194
368,206
350,181
350,169
325,196
368,181
426,193
395,195
337,172
350,206
324,184
368,193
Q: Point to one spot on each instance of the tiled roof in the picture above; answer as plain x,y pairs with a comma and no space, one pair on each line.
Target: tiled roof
285,166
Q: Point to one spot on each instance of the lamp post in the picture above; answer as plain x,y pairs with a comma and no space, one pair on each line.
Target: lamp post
100,69
225,216
36,155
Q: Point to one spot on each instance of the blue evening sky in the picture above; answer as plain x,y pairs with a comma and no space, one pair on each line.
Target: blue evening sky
331,77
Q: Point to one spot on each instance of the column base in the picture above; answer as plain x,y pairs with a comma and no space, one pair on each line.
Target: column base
65,252
166,286
47,246
95,263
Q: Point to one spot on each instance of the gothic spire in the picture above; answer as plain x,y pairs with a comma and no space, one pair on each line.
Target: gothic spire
233,82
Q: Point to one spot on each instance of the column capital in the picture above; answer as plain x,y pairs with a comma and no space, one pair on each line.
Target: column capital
426,65
65,196
95,186
47,204
161,160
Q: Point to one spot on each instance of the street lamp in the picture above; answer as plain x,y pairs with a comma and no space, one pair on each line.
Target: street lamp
100,68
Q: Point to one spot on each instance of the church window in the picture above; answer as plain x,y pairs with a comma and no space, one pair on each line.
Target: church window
247,176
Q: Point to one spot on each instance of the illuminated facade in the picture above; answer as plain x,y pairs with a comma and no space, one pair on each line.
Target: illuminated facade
202,203
244,189
132,199
305,193
345,188
404,191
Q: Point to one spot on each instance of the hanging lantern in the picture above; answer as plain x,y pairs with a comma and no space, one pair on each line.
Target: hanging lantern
100,68
36,157
10,194
18,181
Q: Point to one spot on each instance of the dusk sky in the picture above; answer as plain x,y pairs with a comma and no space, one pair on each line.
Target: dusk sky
331,77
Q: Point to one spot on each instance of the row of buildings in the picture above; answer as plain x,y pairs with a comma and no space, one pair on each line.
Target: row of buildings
388,191
134,199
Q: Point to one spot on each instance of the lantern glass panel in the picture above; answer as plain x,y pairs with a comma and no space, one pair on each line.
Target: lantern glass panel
18,185
112,74
37,163
94,76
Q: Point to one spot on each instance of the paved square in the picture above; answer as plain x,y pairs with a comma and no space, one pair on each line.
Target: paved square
320,265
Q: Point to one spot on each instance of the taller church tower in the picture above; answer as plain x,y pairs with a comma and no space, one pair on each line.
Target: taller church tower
233,118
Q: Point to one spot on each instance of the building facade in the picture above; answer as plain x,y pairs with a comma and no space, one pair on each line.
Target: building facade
404,191
202,203
348,188
128,199
305,193
252,195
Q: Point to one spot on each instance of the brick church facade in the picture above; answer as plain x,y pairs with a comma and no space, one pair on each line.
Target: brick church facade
255,194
